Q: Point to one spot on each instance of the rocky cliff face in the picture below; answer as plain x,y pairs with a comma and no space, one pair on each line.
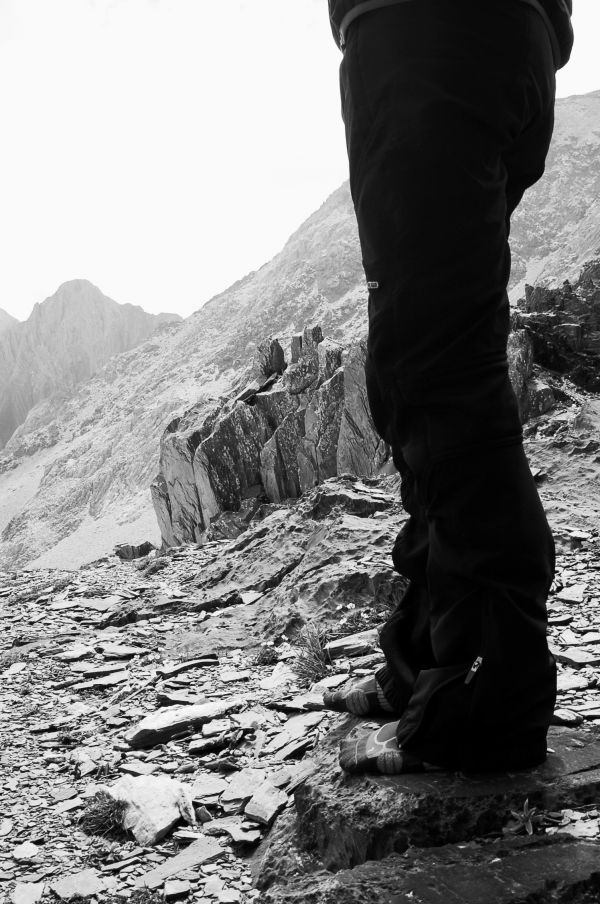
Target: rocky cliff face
66,339
564,325
7,321
281,437
298,423
75,479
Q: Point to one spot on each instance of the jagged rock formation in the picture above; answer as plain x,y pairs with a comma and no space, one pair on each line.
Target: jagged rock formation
66,339
74,479
7,321
285,434
272,442
564,325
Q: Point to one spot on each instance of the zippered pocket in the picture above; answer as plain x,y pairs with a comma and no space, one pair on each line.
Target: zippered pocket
429,684
474,669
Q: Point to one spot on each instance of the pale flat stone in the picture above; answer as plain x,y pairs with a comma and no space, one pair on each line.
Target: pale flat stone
26,851
161,725
104,681
265,804
176,887
136,767
155,803
198,852
354,645
565,716
85,883
64,792
6,827
78,651
281,674
573,594
27,892
216,727
295,730
576,657
14,669
572,682
65,806
121,651
243,785
208,786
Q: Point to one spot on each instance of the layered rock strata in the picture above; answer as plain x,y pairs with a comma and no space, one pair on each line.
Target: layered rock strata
296,423
307,421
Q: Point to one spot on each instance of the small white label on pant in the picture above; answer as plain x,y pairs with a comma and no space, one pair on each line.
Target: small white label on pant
372,285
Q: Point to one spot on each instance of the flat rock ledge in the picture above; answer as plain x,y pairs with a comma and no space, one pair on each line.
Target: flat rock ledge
436,837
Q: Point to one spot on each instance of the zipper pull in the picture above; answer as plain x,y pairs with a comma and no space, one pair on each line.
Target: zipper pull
474,668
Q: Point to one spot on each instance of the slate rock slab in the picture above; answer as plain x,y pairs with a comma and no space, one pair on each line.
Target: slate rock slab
498,873
160,726
345,820
354,645
577,658
266,802
198,852
84,884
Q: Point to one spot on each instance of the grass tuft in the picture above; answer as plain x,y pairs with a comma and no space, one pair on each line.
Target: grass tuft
103,815
312,660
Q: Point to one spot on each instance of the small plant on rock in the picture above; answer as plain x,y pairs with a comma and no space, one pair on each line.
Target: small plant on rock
103,815
312,660
523,821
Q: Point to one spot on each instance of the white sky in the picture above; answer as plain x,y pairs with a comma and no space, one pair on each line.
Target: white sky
164,148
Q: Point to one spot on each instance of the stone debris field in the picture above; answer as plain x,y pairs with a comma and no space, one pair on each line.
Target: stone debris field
160,741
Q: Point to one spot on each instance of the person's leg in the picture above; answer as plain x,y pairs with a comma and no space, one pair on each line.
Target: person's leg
437,97
405,637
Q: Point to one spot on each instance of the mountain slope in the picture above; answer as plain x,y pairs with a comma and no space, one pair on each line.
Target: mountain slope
7,321
75,479
65,340
557,227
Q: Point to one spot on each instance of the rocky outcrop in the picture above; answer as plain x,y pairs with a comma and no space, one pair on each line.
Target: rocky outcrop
66,339
308,421
343,839
564,326
294,425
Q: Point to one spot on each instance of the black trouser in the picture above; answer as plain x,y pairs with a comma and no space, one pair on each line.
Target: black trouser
448,107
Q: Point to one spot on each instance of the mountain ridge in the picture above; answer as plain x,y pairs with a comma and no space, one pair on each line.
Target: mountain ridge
75,480
66,338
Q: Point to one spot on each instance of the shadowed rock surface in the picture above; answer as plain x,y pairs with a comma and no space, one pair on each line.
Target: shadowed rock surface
564,326
344,822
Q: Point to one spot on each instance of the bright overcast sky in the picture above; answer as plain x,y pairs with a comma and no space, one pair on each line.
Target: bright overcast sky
164,148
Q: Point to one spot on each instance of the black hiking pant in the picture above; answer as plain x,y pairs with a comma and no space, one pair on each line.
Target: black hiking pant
448,108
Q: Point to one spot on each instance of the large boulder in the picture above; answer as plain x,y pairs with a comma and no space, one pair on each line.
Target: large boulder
154,804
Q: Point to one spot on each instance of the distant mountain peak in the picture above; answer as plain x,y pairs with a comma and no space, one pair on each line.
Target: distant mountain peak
67,338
